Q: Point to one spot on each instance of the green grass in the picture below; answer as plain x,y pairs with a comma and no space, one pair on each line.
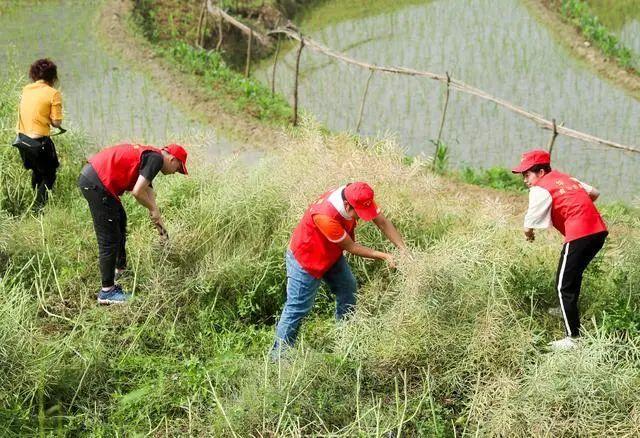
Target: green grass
580,14
450,343
494,177
236,92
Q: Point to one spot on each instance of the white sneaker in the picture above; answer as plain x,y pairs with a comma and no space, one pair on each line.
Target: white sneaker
555,311
564,344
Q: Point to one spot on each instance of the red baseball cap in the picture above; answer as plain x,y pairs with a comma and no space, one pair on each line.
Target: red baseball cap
532,158
360,196
178,151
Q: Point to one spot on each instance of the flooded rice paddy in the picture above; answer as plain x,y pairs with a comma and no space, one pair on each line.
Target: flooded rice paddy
103,96
496,45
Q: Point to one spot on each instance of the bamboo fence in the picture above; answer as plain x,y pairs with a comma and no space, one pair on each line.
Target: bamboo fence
451,83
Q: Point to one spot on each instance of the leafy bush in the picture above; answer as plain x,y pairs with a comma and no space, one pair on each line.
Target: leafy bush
495,177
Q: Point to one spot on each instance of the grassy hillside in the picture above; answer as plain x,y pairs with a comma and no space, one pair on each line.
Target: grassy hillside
451,342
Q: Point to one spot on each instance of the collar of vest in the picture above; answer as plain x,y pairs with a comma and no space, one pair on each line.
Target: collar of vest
552,174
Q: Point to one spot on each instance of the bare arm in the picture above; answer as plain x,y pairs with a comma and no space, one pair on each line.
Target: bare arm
591,191
347,244
389,231
144,194
56,123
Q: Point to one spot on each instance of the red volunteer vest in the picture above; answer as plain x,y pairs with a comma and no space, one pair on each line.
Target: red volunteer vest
572,211
118,166
315,253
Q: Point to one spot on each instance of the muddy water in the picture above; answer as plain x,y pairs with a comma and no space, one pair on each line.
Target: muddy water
102,95
496,45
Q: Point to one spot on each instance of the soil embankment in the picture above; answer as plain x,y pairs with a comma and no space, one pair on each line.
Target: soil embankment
183,89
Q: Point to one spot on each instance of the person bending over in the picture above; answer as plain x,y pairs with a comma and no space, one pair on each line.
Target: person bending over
315,253
110,173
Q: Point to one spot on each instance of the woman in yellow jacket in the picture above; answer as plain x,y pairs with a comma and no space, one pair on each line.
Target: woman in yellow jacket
40,109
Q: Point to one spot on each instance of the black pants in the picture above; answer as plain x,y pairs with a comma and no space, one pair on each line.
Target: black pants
109,222
574,259
43,163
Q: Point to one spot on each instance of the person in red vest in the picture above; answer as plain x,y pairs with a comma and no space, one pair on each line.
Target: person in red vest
315,253
107,175
559,199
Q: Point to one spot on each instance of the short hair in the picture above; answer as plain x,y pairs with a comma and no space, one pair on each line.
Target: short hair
44,69
538,167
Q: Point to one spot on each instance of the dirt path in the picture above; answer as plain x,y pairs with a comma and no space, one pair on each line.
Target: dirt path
571,38
182,89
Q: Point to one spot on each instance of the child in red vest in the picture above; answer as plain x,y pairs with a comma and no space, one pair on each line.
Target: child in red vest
315,253
559,199
109,173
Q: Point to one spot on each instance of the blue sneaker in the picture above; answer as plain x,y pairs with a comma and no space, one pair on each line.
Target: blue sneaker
113,296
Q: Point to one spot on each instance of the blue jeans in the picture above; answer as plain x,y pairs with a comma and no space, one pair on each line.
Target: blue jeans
302,288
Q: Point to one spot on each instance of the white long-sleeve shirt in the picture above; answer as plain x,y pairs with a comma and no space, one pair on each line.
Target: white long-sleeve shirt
539,212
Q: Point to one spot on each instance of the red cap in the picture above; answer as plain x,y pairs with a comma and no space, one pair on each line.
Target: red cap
360,196
178,151
532,158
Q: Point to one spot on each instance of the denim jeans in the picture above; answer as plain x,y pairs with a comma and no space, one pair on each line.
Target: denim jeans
302,288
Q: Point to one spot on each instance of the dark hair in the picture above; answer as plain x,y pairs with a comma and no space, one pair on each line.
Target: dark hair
44,69
538,167
344,198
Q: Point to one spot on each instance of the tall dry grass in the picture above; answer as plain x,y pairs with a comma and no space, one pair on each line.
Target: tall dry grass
452,342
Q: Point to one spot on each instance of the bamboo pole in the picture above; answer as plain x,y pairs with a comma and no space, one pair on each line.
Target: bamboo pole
199,28
216,11
219,34
444,112
463,87
275,63
247,70
203,31
364,97
295,87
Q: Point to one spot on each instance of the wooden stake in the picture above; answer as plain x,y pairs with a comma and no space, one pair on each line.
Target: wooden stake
247,70
199,28
444,115
273,72
364,97
219,34
554,134
295,87
203,31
